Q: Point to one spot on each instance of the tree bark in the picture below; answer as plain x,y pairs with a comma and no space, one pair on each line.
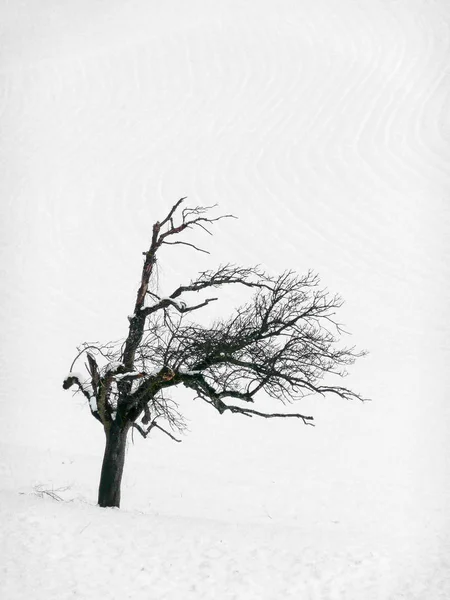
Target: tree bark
112,467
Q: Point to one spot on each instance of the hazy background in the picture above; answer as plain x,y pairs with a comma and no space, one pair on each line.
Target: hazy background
324,127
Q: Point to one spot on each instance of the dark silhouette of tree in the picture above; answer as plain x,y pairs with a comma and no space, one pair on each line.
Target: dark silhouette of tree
281,343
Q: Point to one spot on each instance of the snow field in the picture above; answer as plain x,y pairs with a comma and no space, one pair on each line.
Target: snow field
74,550
208,535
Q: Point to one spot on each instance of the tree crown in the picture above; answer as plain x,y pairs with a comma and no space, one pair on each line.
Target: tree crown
283,342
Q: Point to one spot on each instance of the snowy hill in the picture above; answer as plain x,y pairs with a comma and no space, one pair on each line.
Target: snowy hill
323,126
201,541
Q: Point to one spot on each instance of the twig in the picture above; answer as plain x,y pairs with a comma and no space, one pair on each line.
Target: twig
187,244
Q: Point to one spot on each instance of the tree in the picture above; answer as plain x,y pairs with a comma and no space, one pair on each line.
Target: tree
281,343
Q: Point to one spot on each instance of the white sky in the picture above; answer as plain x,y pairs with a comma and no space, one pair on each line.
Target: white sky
322,125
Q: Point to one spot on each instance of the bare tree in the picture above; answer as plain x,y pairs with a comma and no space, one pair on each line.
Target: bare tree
281,343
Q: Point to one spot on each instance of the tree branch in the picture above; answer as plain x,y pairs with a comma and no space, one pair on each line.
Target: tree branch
85,348
224,275
249,413
173,210
186,244
85,389
153,424
94,372
180,306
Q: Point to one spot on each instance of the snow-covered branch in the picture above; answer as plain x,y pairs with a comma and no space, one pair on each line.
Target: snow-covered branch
85,388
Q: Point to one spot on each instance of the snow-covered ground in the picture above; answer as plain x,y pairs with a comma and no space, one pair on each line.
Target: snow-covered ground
206,533
324,127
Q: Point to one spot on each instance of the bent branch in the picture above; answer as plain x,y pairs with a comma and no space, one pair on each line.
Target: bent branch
154,424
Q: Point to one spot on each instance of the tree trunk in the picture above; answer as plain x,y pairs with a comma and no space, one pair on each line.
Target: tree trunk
112,467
